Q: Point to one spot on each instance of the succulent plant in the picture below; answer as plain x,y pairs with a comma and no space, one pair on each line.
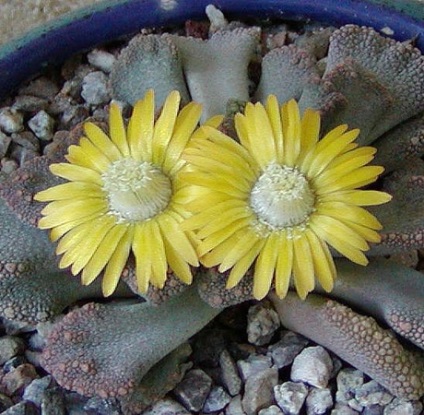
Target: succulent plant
370,82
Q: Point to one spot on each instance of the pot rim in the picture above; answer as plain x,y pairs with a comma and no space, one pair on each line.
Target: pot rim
52,43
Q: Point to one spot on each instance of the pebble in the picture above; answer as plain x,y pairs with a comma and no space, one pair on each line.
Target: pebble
229,373
290,397
42,125
285,350
258,391
193,390
16,380
27,139
166,407
253,365
102,406
318,401
5,402
402,407
217,400
53,403
4,143
35,390
262,323
10,346
342,409
11,120
22,408
30,103
313,366
95,89
348,380
41,87
101,59
13,363
272,410
372,393
235,407
8,166
373,410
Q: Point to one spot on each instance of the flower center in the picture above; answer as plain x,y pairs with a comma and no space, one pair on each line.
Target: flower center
136,191
281,197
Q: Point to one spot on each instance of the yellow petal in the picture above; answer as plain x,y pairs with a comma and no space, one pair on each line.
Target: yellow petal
117,131
164,127
178,265
303,266
103,254
159,262
117,263
60,230
284,265
265,267
76,173
85,156
358,197
70,190
143,258
291,132
273,110
101,140
141,127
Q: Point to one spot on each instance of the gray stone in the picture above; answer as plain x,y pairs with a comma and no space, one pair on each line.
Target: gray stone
102,406
217,400
262,323
373,410
4,144
348,380
27,139
253,365
235,407
342,409
17,380
8,166
101,59
95,90
285,350
166,407
290,397
35,390
272,410
5,402
372,393
402,407
42,125
10,346
313,366
258,391
21,408
42,87
13,363
229,373
11,120
193,390
30,103
318,401
53,403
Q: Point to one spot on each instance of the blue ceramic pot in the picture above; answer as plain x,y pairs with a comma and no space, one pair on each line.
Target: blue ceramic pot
25,57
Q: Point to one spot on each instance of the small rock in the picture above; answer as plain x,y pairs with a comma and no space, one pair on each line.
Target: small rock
15,381
285,350
258,391
166,407
235,407
342,409
193,390
373,410
318,401
372,393
313,366
11,120
348,380
30,103
229,373
253,365
22,408
290,397
101,60
22,154
262,323
13,363
402,407
42,125
95,89
35,390
8,166
53,403
41,87
27,139
4,144
74,115
5,402
272,410
10,346
102,406
217,400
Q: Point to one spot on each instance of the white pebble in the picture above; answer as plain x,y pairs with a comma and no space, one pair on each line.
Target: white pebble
290,397
42,125
101,60
11,121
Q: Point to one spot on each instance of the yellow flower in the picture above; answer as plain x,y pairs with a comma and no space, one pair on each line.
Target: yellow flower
123,195
280,197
